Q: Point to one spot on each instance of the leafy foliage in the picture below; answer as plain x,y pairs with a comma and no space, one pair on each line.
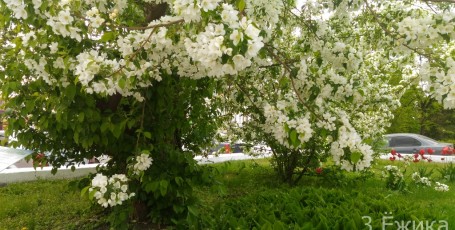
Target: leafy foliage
448,172
141,81
247,195
419,113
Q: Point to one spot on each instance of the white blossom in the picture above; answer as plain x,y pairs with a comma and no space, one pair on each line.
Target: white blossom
441,187
143,162
117,184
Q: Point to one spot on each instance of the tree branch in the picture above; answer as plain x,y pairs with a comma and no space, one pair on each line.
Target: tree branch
152,26
288,69
390,33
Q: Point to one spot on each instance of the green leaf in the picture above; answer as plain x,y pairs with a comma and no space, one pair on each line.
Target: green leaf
122,83
179,181
116,130
70,91
293,136
446,37
92,194
178,208
152,187
193,210
267,226
130,123
355,157
147,135
81,117
29,105
280,225
286,128
294,72
104,126
76,137
284,82
241,5
163,187
108,36
84,190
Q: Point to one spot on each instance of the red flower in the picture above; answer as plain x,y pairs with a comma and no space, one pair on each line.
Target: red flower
416,156
227,148
446,150
39,156
422,151
430,151
393,152
392,158
416,160
318,170
399,155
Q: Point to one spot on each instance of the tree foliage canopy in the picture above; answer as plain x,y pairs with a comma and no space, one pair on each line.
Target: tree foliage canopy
140,80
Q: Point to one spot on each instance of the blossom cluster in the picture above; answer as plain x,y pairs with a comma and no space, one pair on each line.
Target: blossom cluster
142,163
18,8
94,18
212,52
114,190
277,124
264,12
441,187
218,40
349,140
110,191
394,177
425,181
413,33
61,21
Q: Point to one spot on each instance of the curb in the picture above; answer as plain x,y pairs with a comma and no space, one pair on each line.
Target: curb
15,175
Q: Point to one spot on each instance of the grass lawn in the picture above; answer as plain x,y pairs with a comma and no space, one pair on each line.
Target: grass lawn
45,204
250,196
255,198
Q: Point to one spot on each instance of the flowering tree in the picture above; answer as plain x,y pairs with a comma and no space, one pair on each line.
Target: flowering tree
138,80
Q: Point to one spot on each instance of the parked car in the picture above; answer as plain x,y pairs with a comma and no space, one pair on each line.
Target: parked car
409,143
225,147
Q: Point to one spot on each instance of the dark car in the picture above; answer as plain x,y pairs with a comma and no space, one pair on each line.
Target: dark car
409,143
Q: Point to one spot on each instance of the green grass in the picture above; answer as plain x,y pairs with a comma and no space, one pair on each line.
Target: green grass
44,205
251,196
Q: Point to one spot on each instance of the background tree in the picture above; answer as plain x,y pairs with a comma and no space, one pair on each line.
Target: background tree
419,113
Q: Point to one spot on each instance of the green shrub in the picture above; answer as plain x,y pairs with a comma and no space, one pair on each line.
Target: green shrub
448,172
